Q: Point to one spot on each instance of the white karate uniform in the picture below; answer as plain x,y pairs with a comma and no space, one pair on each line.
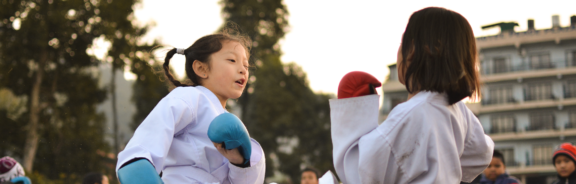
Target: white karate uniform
423,140
174,138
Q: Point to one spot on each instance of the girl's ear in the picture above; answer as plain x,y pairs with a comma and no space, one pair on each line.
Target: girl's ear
200,69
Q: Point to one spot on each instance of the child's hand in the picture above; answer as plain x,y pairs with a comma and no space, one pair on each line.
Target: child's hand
231,138
232,155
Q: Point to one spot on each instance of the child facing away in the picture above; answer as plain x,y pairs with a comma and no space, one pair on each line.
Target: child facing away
564,161
174,140
431,138
495,173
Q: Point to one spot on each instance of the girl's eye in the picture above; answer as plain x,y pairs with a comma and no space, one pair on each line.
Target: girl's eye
233,61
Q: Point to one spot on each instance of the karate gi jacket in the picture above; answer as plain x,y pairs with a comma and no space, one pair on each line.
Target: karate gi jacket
174,138
423,140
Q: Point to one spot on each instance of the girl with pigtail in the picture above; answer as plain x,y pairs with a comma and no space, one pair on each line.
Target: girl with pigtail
189,136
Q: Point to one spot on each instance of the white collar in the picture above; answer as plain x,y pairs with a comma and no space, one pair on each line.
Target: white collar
211,96
431,96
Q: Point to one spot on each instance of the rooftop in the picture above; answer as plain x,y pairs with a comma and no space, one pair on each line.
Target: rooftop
511,38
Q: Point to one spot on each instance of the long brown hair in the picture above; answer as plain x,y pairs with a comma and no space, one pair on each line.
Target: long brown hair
443,57
201,50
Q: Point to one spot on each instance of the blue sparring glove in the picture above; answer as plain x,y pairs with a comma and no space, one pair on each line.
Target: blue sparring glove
21,180
228,130
140,171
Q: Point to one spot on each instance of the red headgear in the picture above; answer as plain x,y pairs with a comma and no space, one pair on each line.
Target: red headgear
565,149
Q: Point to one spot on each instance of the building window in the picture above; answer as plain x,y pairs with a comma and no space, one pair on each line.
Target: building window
393,76
500,65
572,119
541,121
571,58
502,124
500,95
570,89
540,61
508,154
542,154
540,91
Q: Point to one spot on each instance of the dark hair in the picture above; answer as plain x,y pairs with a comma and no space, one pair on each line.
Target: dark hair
92,178
499,155
310,169
201,50
444,54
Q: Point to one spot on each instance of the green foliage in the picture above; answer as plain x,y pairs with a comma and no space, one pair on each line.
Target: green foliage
149,89
60,32
279,108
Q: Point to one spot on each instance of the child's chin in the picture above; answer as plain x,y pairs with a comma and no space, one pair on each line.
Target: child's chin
236,96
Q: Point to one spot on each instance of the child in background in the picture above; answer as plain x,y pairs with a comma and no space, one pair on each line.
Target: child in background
496,172
95,178
12,172
431,138
309,176
564,161
174,140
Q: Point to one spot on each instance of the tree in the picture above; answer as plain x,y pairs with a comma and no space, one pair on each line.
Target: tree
43,49
279,108
149,88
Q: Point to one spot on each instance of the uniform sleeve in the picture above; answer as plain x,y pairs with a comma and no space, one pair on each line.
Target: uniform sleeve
253,174
478,149
153,138
351,119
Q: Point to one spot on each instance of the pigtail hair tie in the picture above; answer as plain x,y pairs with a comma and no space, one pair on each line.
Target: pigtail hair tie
180,51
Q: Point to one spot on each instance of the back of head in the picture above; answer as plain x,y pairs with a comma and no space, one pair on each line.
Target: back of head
93,178
440,53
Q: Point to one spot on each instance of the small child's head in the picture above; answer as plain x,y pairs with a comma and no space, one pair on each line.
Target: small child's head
564,159
218,62
10,169
95,178
496,167
438,53
309,176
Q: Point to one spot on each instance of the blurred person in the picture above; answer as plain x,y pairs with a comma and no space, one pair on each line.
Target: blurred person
475,181
309,176
95,178
564,161
176,138
432,137
496,172
12,172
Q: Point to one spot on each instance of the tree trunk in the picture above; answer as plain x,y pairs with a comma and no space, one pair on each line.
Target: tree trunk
114,111
32,137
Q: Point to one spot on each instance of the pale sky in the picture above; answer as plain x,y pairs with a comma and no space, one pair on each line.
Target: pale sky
329,38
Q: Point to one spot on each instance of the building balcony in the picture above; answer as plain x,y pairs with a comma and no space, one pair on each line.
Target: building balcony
531,169
498,102
517,39
534,97
487,107
393,86
524,67
534,133
570,94
533,166
521,73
